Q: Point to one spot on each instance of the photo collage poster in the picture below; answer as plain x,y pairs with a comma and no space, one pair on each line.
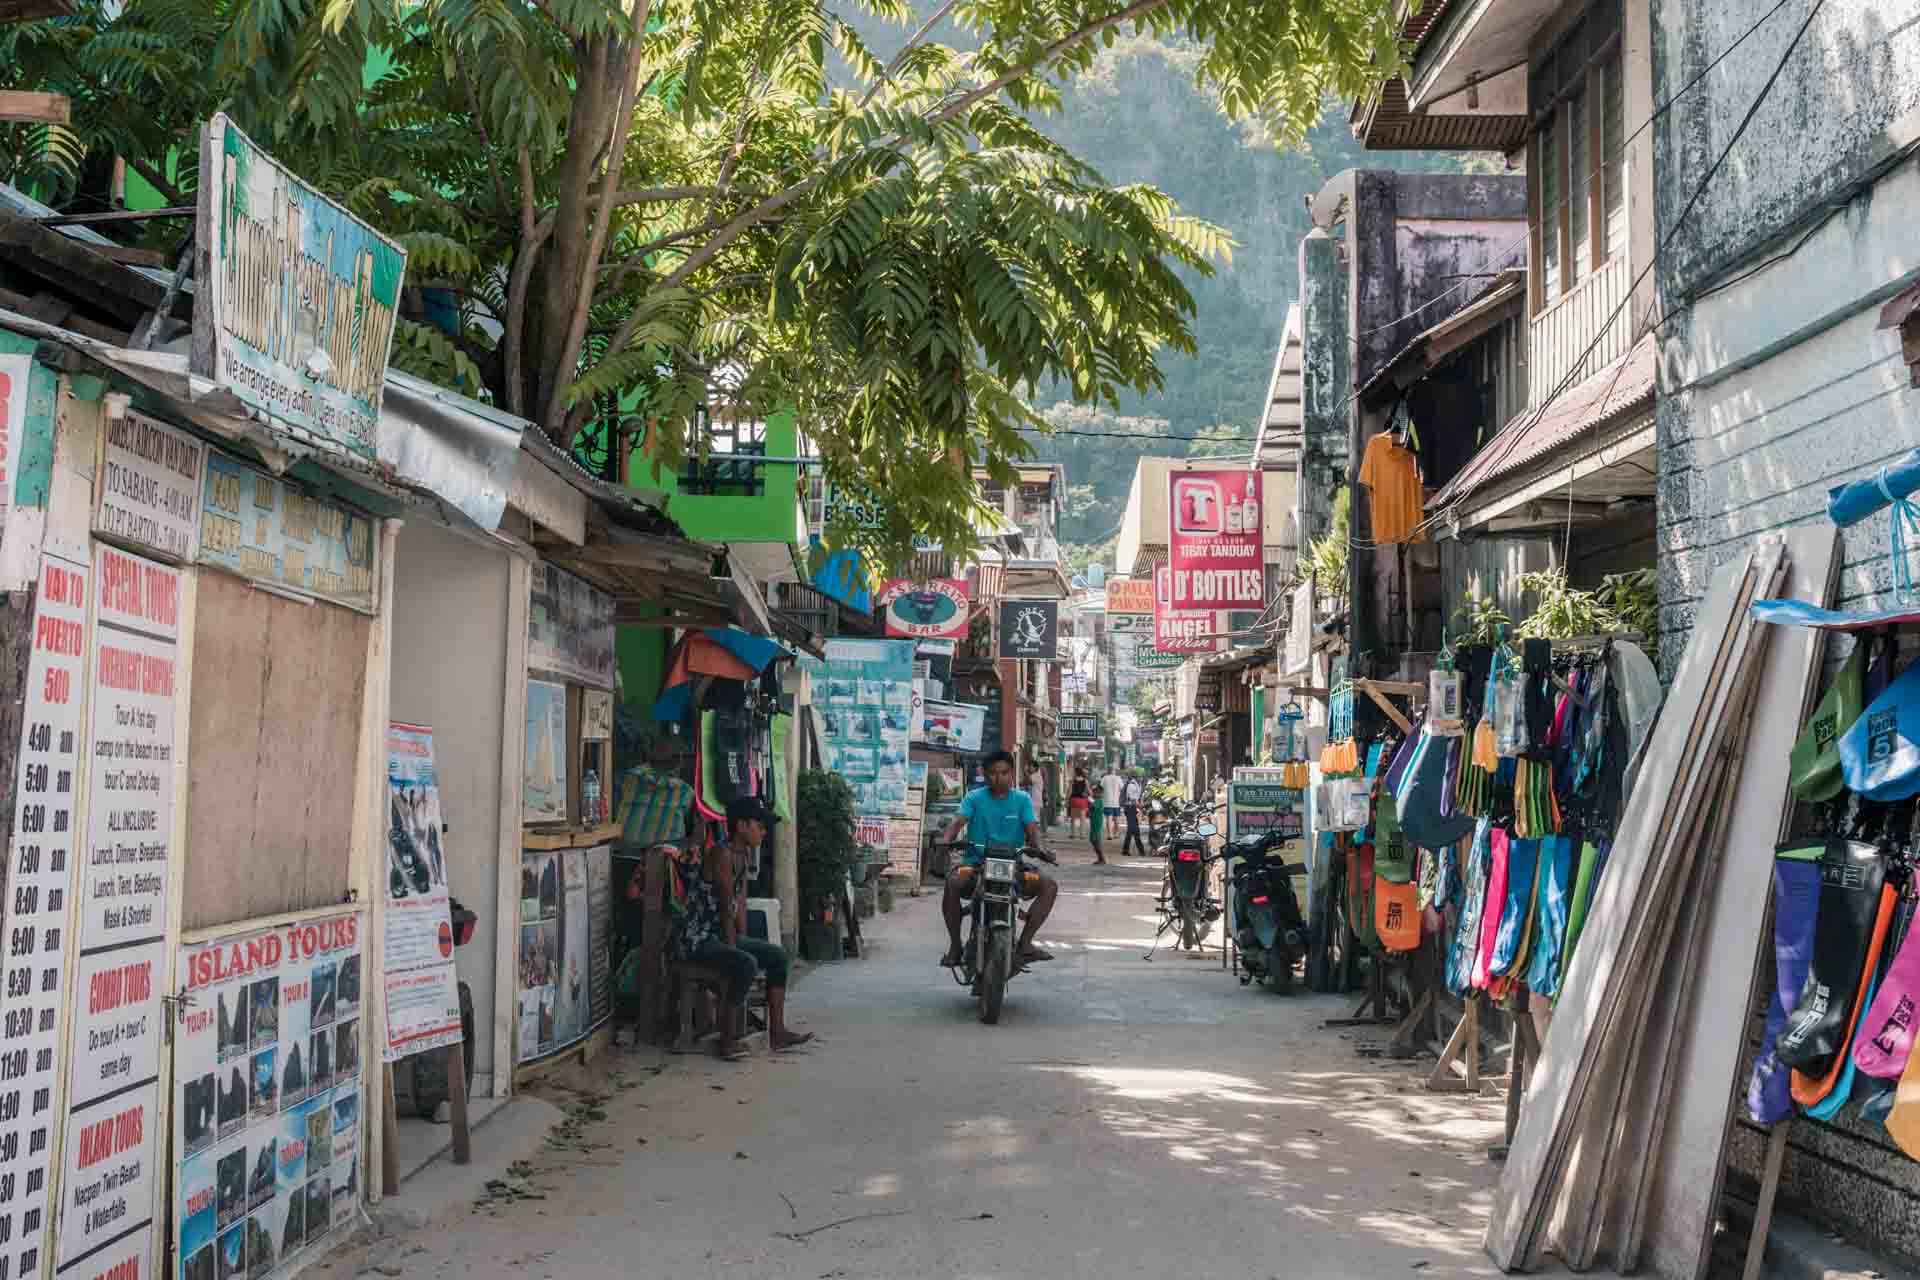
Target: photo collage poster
267,1097
421,988
563,972
863,702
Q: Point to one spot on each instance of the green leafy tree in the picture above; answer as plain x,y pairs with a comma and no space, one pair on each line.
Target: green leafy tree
637,202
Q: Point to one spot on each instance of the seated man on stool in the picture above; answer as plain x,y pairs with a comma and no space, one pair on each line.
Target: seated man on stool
997,815
712,930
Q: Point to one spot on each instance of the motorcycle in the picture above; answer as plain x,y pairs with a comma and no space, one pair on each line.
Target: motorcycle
987,960
1269,930
1185,904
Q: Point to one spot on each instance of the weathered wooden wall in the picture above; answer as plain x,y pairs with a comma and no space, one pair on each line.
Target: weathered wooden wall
275,728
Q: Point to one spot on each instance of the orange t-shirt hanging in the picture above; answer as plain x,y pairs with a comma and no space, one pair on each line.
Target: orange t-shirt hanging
1392,476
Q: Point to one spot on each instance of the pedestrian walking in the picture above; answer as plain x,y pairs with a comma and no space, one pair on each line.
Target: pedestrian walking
1079,803
1111,787
1130,796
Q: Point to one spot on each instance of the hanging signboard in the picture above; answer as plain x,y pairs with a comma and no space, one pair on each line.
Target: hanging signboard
40,878
570,630
1079,727
840,576
1029,629
109,1189
1130,624
955,726
558,936
418,985
295,316
543,791
266,1097
263,528
1138,654
1300,630
1182,630
151,477
863,697
1129,596
1214,540
933,609
15,372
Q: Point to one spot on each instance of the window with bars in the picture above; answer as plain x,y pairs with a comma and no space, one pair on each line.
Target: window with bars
1578,218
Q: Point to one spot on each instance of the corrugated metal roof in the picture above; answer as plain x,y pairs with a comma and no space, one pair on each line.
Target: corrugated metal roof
1621,387
1383,122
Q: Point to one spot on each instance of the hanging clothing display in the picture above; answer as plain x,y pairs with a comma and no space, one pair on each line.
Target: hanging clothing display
1392,477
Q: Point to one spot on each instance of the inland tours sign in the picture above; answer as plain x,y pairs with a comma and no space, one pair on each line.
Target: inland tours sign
296,298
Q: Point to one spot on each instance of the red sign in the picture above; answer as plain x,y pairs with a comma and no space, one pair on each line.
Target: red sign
1181,631
931,610
1214,540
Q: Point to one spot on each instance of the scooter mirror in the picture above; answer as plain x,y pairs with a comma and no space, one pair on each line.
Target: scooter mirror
1208,830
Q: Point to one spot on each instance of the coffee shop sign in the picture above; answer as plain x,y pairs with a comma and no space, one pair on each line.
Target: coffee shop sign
296,315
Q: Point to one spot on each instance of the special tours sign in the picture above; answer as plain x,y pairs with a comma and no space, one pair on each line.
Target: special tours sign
266,1105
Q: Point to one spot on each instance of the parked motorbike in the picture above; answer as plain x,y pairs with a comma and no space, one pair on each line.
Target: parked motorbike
1186,906
987,960
1269,929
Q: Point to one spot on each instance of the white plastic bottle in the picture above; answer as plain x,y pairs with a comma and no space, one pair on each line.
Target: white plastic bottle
1250,510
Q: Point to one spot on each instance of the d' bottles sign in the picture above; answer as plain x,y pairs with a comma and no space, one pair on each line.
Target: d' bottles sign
1214,526
295,298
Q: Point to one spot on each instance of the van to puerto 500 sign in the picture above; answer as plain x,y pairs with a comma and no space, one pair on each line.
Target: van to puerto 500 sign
932,610
295,312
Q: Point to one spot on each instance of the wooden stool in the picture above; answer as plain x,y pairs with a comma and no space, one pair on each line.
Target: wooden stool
688,981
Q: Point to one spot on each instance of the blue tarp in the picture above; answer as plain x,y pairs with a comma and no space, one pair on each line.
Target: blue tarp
1851,503
1799,613
754,651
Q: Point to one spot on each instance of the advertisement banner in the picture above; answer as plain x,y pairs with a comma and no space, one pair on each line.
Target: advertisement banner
1029,629
1257,803
109,1189
1299,653
955,726
840,576
266,1097
421,993
1129,596
15,370
543,792
863,696
1136,653
1079,727
557,1002
1214,537
151,479
570,628
40,871
301,297
1178,630
933,610
263,528
1130,624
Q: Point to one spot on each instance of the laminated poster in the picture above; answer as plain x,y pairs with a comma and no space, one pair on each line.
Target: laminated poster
544,795
267,1097
563,973
419,985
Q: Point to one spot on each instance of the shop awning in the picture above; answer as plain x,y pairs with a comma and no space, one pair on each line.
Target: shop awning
726,653
459,450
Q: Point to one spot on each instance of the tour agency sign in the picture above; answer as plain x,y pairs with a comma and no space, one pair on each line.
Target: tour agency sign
1214,540
295,298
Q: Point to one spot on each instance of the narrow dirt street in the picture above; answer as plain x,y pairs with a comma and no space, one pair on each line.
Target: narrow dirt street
1126,1119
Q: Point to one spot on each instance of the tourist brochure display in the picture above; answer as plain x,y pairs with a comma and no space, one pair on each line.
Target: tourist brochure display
421,991
563,959
267,1125
863,699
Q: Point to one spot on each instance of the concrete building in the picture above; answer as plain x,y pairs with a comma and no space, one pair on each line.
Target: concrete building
1786,285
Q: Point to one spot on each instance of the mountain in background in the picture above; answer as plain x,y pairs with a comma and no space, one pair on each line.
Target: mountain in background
1137,116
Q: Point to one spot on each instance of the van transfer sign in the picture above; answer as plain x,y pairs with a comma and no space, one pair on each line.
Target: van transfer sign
296,298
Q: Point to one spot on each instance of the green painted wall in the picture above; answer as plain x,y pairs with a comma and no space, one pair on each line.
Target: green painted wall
32,454
774,515
642,655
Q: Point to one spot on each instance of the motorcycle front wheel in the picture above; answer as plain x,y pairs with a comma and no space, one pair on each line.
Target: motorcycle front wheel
1279,970
993,979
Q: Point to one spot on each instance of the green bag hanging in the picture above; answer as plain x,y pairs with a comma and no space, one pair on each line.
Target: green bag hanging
1815,764
1393,853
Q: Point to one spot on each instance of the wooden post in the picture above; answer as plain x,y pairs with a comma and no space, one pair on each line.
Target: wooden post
1769,1188
457,1102
390,1135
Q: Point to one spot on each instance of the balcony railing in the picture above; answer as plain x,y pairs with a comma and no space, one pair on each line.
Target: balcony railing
1560,335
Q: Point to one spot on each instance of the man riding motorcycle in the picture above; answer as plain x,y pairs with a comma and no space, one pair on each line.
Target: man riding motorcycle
996,815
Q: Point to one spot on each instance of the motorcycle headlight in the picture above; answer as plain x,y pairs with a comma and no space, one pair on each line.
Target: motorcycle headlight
999,868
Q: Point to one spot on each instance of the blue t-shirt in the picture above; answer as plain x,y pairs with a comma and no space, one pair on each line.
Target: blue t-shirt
996,822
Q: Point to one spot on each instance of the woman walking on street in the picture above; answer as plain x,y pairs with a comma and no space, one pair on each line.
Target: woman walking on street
1079,802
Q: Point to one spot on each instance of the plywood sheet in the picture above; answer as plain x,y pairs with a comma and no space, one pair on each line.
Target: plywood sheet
272,770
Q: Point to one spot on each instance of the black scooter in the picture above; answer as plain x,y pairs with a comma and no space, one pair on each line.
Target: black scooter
1269,930
1186,908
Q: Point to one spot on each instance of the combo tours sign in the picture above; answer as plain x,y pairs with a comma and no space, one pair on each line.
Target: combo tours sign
935,609
109,1189
266,530
295,309
1214,540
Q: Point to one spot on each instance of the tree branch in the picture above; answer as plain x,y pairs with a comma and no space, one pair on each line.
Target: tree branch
158,181
656,195
900,58
531,238
486,143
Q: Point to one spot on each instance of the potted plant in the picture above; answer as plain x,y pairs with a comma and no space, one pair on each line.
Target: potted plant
823,834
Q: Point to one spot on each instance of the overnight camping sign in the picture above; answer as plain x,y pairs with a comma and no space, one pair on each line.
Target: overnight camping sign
295,300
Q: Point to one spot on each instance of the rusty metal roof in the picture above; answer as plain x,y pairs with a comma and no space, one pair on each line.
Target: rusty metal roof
1383,121
1623,386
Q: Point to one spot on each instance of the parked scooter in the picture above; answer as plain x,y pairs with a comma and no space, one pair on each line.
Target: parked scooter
1269,929
1187,908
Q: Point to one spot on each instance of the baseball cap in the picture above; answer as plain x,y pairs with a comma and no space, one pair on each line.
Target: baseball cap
750,808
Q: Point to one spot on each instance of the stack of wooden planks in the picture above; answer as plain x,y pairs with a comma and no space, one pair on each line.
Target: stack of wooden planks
1621,1140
